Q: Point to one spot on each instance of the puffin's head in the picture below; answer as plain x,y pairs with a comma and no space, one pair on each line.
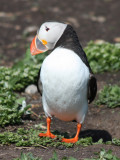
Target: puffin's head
47,36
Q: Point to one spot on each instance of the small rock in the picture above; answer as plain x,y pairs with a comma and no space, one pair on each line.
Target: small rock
6,15
117,39
73,21
30,29
34,9
56,10
92,17
17,27
31,89
101,19
99,41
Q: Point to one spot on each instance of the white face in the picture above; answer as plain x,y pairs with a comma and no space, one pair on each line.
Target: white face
50,32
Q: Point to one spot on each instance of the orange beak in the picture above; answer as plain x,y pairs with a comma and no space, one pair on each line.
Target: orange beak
37,46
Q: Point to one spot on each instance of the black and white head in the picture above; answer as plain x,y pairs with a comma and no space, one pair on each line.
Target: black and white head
47,37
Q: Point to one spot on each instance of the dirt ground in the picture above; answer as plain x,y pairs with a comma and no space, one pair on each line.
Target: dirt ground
92,20
19,20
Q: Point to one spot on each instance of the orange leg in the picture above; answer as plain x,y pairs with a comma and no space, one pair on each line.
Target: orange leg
75,139
48,133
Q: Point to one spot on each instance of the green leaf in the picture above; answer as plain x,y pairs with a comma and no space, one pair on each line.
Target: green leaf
20,100
55,157
103,57
109,96
104,155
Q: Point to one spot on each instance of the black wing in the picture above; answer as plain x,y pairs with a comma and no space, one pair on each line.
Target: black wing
92,84
92,88
39,84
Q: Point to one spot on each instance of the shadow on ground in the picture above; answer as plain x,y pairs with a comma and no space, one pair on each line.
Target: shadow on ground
95,134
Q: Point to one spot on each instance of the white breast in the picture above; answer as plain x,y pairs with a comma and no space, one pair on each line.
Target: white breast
64,78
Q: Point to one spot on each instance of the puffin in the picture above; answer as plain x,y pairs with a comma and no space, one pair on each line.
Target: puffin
65,80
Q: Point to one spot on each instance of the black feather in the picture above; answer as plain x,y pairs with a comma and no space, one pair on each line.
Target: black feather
39,84
92,88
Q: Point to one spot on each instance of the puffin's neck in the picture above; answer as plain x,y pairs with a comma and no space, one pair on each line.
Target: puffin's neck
69,40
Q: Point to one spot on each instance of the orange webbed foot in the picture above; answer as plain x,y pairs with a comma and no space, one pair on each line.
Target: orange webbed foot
75,139
72,140
47,135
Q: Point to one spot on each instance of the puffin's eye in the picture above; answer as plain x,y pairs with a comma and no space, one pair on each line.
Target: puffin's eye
47,29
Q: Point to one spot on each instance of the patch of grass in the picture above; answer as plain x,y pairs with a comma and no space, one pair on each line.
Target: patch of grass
109,96
11,107
29,156
104,155
116,141
5,74
29,137
23,73
103,57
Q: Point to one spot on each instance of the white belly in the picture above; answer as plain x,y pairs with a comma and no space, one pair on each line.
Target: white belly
64,79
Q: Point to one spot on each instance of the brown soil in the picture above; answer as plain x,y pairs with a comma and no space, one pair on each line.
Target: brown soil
77,152
92,20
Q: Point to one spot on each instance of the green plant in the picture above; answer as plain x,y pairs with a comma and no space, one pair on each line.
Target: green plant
103,57
109,96
29,156
23,73
11,109
104,155
29,137
116,141
5,75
